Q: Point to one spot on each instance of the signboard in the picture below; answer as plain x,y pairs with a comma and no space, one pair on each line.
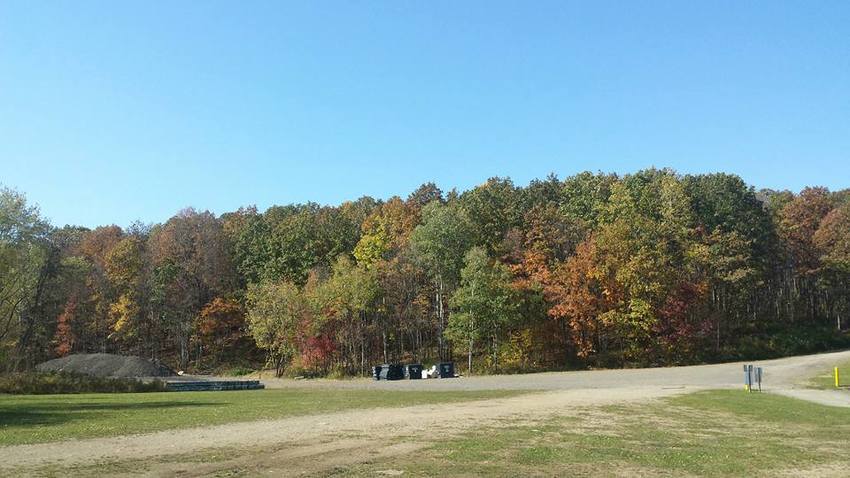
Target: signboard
752,377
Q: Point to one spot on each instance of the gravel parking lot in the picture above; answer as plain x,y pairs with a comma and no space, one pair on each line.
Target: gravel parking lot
780,374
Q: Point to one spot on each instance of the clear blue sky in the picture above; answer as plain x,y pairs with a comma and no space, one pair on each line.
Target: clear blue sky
116,111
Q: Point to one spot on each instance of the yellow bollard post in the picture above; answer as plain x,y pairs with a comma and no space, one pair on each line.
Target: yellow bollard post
836,378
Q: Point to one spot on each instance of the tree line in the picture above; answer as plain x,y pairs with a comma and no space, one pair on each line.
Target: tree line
651,268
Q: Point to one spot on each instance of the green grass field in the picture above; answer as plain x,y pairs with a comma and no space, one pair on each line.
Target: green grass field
715,433
710,433
44,418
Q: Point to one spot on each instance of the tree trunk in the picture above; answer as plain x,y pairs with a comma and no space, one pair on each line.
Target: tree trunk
362,350
440,316
384,337
469,358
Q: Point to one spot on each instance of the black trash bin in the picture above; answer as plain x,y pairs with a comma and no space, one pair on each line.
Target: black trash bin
376,371
413,371
392,372
447,369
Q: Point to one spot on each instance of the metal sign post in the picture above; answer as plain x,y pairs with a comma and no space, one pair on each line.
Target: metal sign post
752,377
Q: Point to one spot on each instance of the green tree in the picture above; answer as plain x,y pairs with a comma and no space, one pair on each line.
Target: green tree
493,208
24,256
484,305
276,314
585,195
439,244
344,302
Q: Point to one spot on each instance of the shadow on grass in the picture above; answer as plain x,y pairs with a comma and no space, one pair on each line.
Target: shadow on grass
60,413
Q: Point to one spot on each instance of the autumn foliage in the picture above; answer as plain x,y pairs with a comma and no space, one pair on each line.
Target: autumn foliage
650,268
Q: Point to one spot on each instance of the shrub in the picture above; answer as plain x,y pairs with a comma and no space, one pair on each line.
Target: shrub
38,383
238,371
783,343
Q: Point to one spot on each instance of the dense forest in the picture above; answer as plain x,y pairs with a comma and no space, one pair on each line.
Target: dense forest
597,270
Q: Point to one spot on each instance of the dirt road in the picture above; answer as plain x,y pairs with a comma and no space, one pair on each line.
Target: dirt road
780,374
342,438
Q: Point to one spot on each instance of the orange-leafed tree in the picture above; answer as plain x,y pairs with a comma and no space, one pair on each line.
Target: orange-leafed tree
579,295
219,328
832,240
799,221
65,338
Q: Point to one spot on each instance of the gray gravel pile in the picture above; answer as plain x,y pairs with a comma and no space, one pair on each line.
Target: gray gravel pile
106,365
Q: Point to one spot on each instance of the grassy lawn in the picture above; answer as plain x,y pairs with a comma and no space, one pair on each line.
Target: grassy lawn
44,418
712,433
826,380
716,433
